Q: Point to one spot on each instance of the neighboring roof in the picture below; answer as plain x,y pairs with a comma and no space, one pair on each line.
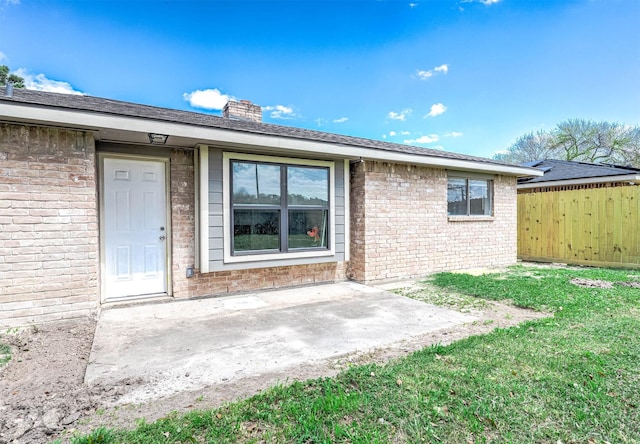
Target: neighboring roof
564,172
89,105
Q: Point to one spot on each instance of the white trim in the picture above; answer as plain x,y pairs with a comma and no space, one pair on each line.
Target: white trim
470,175
201,134
226,208
635,178
204,208
347,211
472,218
196,208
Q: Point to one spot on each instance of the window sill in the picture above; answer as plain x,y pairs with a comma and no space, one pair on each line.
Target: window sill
471,218
277,256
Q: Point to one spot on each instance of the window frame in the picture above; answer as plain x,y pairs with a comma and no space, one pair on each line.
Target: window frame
467,178
264,255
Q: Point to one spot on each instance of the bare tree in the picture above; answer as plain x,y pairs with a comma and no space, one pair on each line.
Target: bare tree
531,146
579,140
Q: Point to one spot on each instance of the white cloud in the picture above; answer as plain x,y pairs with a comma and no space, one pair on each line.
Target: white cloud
392,133
424,75
402,115
453,134
280,112
40,82
3,56
442,68
321,121
384,136
436,110
207,99
413,5
484,2
405,133
424,139
340,120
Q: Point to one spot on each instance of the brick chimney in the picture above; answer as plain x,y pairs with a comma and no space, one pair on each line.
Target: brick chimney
242,110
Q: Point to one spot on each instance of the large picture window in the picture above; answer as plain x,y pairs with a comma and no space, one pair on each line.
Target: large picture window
469,197
278,207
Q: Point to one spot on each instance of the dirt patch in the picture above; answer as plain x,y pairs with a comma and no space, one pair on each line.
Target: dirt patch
41,389
43,396
629,284
595,283
591,283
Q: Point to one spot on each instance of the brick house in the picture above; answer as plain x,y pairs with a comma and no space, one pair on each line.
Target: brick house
104,201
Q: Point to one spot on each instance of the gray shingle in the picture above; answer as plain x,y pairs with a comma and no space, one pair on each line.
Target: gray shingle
119,108
567,170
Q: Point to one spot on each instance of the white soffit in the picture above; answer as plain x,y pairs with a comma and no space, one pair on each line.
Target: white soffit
208,135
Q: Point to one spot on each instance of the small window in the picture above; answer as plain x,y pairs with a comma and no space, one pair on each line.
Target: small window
469,197
278,208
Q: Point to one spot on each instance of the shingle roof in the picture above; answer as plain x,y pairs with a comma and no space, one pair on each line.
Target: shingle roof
567,170
119,108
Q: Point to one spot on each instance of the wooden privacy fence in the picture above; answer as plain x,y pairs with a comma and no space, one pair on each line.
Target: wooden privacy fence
598,226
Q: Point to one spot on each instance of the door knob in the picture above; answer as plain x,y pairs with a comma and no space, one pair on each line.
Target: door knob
162,238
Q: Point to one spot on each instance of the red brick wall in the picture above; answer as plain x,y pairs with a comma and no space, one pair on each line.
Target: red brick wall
48,225
358,252
400,228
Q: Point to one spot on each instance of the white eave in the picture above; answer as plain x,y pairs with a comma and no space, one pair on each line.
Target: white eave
193,135
630,178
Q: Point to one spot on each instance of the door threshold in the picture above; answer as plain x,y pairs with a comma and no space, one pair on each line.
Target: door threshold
125,301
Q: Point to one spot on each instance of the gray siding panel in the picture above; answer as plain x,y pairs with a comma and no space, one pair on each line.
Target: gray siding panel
216,256
215,186
216,232
215,221
215,209
216,241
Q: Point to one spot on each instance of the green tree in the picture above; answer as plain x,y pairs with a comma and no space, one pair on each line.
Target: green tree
6,77
579,140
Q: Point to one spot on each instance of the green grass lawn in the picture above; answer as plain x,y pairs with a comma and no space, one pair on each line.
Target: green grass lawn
570,378
272,242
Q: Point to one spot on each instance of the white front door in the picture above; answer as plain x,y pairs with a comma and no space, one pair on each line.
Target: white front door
135,231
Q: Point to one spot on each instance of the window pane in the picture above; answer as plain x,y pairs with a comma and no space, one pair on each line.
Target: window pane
457,197
308,228
256,230
255,183
479,197
308,186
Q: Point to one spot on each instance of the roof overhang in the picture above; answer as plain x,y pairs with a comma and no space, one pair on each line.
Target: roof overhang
126,129
630,178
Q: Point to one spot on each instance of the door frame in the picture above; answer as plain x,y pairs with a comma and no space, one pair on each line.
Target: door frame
102,155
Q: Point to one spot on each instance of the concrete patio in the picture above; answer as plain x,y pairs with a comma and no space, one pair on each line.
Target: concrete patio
187,345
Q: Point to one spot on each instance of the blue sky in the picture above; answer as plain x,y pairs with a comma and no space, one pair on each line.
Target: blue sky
467,76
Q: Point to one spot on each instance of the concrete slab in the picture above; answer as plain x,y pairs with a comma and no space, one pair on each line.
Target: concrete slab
188,345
